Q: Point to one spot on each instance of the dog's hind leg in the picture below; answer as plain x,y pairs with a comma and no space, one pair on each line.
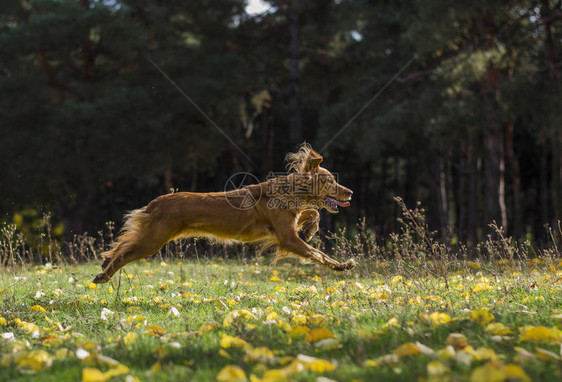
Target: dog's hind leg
309,223
141,237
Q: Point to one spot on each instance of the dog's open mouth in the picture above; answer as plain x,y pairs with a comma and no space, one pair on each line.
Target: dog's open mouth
333,204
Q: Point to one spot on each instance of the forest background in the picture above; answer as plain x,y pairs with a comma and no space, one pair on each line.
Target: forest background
454,104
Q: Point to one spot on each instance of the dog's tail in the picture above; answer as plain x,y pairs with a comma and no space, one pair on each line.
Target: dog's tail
130,234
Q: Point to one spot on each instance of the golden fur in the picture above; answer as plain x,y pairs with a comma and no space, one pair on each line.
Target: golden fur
274,217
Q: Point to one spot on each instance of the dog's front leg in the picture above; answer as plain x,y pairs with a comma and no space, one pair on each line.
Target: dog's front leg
289,241
309,223
299,247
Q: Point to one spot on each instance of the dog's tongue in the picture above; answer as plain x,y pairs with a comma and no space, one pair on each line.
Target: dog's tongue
341,204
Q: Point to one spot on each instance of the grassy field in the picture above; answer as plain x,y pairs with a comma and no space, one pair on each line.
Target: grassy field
227,320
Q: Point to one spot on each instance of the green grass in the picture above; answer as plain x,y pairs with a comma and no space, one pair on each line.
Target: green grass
370,312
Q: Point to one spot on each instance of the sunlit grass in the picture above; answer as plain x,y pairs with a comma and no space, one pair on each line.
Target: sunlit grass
206,319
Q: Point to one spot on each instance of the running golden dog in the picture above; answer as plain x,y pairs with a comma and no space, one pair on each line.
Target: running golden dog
272,212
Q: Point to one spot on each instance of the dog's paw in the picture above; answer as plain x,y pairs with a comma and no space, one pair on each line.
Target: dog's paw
101,278
349,264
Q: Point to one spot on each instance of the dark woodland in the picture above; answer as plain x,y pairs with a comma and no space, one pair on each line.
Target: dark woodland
105,105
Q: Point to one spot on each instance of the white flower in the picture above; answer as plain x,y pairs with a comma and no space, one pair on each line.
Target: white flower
104,313
173,312
81,353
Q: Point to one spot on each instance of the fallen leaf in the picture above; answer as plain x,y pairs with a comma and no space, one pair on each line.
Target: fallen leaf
547,355
231,373
305,362
458,340
235,342
407,349
498,372
90,374
32,361
497,328
540,334
388,359
328,344
300,330
260,355
318,334
436,369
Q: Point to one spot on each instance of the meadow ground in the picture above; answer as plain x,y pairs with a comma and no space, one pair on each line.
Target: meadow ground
228,320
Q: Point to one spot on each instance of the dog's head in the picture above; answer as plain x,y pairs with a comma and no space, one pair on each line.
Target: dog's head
315,184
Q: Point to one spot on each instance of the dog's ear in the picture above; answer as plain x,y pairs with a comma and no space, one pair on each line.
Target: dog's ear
312,162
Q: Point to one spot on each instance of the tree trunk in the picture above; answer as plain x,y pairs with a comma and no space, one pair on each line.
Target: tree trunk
474,187
295,119
543,185
494,172
546,13
380,209
515,183
461,192
169,177
439,211
556,182
412,180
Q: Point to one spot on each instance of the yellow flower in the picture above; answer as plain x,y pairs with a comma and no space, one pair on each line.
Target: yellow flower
393,322
155,330
438,318
481,317
38,308
208,327
236,316
396,279
130,338
481,287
